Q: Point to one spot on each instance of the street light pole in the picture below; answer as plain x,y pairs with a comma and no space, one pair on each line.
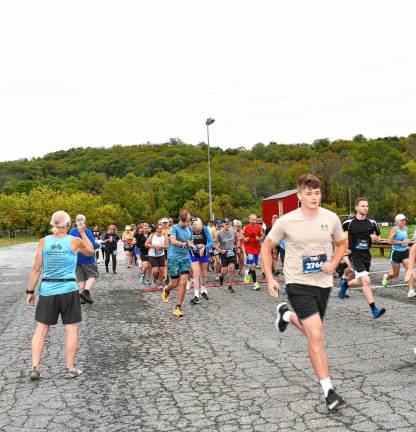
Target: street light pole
208,123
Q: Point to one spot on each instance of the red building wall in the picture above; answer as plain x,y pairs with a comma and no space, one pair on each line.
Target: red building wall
279,206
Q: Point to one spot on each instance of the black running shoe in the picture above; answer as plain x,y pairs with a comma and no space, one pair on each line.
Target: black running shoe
334,400
195,300
230,289
280,323
221,279
85,295
204,295
81,298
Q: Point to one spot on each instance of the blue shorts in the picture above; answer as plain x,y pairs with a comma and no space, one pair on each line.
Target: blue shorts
177,267
252,259
203,259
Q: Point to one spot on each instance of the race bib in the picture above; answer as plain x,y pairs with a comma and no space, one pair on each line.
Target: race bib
114,252
362,244
159,252
250,256
229,253
313,264
216,252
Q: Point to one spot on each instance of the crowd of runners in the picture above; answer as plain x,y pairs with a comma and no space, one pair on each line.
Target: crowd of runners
309,245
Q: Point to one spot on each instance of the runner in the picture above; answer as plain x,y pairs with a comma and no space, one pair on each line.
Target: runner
87,271
226,244
128,241
310,233
157,243
179,263
215,255
203,243
141,237
134,260
56,261
253,236
399,252
238,227
361,232
110,241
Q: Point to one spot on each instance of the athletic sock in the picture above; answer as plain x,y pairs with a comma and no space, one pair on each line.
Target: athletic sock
196,293
203,289
286,316
253,275
372,306
326,385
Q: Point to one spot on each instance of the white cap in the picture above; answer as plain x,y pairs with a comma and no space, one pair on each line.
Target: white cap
400,216
165,219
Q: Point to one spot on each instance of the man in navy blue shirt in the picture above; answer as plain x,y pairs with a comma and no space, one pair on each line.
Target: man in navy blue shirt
86,271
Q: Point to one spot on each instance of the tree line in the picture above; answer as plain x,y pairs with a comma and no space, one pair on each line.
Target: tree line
125,184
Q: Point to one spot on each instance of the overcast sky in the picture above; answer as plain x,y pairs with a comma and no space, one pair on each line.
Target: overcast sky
98,73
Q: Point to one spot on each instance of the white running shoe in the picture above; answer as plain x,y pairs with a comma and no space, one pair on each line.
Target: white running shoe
385,281
411,293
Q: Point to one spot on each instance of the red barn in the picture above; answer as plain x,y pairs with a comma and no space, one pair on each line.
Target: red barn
279,204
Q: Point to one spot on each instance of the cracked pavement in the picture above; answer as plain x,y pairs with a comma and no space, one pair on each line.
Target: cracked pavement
222,367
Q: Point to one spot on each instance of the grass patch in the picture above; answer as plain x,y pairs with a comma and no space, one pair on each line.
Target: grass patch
14,241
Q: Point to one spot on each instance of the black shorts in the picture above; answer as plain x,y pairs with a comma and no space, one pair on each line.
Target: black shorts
67,305
360,265
397,257
307,300
157,261
226,261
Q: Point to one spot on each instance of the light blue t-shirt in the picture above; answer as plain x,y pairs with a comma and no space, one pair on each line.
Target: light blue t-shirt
182,234
400,236
58,262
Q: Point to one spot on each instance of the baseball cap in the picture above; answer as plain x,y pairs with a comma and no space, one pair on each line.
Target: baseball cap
400,216
165,220
219,222
227,221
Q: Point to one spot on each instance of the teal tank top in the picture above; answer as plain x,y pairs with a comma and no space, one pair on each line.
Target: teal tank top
58,262
399,236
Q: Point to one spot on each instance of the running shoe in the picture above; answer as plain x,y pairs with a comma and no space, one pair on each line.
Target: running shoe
195,300
34,374
142,279
221,279
165,295
230,289
247,277
204,295
411,293
73,373
343,287
256,286
86,296
378,312
385,281
280,323
334,400
82,301
178,312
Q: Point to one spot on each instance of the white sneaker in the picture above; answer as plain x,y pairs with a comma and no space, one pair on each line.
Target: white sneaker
385,281
411,293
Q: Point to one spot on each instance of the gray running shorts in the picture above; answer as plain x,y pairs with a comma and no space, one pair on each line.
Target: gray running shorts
86,271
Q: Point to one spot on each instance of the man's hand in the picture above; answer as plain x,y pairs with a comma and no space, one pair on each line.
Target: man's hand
30,299
81,227
274,288
375,237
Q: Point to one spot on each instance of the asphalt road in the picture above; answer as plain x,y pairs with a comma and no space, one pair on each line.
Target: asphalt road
222,367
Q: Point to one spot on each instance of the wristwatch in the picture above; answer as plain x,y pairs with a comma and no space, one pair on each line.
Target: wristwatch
30,291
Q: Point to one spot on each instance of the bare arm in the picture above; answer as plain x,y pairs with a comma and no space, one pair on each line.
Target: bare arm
35,273
266,258
82,245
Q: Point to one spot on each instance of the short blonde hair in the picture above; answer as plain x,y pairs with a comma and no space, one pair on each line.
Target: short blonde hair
60,219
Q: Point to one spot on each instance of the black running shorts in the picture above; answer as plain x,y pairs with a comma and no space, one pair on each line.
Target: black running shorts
360,265
307,300
397,257
226,261
67,305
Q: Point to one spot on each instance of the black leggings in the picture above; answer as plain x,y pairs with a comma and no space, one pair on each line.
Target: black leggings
113,258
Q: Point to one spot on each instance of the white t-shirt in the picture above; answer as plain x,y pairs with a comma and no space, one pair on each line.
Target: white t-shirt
157,241
309,243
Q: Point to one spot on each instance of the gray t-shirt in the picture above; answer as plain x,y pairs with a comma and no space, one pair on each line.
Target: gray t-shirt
226,239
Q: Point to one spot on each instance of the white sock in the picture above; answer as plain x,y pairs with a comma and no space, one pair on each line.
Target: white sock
326,385
286,316
204,289
196,293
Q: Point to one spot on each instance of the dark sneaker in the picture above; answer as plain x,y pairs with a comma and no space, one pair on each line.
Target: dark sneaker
204,295
230,289
221,279
82,299
334,400
86,296
34,374
280,323
73,373
378,312
195,300
343,286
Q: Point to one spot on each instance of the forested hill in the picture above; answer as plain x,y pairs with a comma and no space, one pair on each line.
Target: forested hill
127,183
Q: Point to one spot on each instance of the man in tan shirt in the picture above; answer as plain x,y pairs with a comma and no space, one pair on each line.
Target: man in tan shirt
310,233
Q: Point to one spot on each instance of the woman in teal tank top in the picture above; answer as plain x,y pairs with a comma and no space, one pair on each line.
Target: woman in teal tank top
55,261
399,253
